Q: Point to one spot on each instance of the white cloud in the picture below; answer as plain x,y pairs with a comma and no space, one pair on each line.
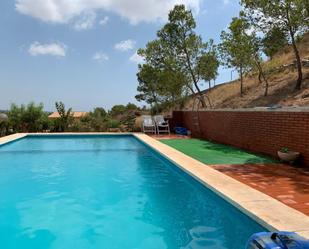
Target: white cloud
54,49
104,21
125,45
137,58
63,11
100,57
86,21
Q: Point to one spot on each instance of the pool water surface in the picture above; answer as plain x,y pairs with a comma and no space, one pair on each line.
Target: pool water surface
82,192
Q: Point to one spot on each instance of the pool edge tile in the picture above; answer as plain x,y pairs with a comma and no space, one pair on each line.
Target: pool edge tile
11,138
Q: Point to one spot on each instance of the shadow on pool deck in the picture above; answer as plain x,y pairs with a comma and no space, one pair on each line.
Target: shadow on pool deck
213,153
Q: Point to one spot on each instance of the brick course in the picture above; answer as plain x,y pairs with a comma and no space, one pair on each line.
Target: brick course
258,131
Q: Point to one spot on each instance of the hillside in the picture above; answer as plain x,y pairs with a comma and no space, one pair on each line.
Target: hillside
281,85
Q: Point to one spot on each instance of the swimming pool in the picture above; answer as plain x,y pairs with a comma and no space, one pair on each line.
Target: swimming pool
108,192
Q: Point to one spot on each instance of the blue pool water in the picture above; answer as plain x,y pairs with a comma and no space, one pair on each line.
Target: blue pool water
108,192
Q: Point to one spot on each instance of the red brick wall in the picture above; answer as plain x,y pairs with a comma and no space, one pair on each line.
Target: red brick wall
258,131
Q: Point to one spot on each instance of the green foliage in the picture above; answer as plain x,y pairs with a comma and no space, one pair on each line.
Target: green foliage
174,62
62,123
287,15
285,150
113,123
15,115
272,66
237,47
131,106
148,88
290,16
96,119
159,80
117,110
208,64
274,40
99,112
185,47
30,118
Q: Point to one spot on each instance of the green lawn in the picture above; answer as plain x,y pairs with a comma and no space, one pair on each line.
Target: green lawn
213,153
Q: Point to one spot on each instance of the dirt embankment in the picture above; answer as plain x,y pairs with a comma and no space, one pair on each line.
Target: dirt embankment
282,79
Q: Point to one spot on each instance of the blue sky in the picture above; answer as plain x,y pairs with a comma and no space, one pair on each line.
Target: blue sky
82,51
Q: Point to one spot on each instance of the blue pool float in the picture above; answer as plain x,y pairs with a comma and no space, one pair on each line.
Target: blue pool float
277,240
181,131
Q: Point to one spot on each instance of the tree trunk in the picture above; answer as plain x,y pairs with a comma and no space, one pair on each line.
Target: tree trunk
296,52
299,65
209,85
266,87
201,97
241,82
260,80
261,74
195,81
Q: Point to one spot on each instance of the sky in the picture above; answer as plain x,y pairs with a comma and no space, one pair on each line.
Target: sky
83,52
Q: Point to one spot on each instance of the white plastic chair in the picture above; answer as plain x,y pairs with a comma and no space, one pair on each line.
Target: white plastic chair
161,124
148,124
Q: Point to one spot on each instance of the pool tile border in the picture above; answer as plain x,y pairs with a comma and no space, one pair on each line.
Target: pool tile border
266,210
11,138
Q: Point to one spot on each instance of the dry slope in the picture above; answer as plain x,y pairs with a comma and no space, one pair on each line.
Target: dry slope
281,85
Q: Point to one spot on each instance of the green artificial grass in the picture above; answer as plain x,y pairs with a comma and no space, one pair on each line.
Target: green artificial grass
213,153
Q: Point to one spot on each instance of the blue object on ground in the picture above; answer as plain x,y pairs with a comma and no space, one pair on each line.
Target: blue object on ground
181,131
277,240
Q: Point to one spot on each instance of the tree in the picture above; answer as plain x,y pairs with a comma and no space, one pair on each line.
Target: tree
131,107
97,119
208,64
236,48
147,85
257,57
128,120
117,110
29,118
66,117
184,47
174,62
290,16
34,117
160,82
15,117
274,40
99,112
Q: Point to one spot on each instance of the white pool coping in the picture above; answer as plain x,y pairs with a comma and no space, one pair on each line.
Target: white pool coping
267,211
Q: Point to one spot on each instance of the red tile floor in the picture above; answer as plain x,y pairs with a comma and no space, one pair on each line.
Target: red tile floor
283,182
286,183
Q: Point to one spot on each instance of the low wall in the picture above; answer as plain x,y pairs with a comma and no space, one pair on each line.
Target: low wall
258,131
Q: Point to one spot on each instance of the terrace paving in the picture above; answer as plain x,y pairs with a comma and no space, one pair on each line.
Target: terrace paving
283,182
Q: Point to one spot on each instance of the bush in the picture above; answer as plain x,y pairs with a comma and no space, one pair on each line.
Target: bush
113,123
30,118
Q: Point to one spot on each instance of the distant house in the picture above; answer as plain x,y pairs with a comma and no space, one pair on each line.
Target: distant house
76,115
